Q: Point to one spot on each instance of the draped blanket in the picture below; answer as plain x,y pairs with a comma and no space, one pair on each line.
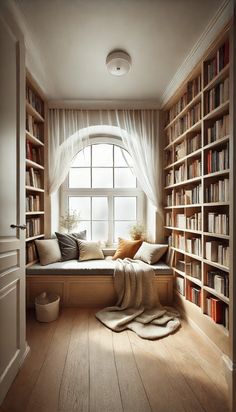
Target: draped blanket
138,307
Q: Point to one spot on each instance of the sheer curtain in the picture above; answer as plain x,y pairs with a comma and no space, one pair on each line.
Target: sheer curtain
71,130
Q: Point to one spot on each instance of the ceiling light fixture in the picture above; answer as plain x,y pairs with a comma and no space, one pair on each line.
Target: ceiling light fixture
118,62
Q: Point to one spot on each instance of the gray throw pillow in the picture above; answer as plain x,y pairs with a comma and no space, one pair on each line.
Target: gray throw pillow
150,252
68,244
48,251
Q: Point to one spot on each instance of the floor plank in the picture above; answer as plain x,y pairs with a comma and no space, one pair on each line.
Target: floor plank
104,386
74,390
134,397
76,364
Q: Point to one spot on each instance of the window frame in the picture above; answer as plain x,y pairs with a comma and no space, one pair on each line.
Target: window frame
110,193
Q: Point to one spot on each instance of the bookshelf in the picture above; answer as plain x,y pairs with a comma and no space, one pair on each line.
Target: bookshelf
34,167
197,176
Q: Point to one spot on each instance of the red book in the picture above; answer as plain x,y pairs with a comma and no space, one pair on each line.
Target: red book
217,310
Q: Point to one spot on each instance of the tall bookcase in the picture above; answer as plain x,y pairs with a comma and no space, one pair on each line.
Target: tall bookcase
197,195
35,170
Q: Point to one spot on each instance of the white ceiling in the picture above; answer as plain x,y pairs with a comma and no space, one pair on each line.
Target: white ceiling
73,37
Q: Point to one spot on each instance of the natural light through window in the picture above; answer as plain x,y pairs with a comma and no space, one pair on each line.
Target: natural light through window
102,187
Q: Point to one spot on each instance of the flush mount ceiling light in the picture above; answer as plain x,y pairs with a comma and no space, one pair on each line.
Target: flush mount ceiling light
118,62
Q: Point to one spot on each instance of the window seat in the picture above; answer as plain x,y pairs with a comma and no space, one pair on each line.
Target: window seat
89,283
89,267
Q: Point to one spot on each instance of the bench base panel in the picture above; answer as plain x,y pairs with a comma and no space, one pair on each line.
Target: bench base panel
88,291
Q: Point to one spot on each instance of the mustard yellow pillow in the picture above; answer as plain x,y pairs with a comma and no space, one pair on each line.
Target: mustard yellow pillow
126,248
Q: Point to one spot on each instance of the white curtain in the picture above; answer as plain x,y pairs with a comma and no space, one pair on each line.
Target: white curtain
71,130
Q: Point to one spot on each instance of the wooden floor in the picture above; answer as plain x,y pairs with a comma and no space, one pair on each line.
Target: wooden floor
76,364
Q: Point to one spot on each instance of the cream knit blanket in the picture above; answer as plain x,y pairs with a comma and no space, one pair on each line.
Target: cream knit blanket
138,307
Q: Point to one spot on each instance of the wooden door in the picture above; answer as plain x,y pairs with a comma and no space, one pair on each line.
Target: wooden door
12,260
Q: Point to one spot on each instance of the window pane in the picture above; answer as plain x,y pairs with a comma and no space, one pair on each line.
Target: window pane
125,208
79,178
82,205
83,158
85,226
99,208
121,157
102,155
102,177
122,229
100,231
124,178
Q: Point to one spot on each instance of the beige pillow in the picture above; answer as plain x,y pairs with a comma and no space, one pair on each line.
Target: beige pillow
89,250
150,253
48,251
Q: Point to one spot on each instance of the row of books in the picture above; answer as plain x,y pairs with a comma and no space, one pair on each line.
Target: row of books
193,88
33,178
217,160
219,312
194,246
33,127
184,123
31,252
194,169
219,281
33,227
185,196
194,294
217,192
218,62
180,150
217,252
194,143
33,153
170,178
218,223
193,269
194,222
168,219
179,285
34,100
178,241
218,130
217,96
32,203
180,174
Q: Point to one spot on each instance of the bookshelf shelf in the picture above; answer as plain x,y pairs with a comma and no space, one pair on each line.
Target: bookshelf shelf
188,157
218,111
33,139
30,163
29,239
30,110
220,76
34,168
215,293
34,189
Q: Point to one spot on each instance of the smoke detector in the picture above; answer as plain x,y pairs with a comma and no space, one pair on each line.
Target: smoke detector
118,63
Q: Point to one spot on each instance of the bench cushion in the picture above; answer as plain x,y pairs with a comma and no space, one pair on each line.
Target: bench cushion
90,267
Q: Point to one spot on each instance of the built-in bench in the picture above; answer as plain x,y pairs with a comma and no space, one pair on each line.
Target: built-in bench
89,283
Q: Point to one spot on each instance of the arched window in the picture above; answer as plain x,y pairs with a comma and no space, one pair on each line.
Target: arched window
101,186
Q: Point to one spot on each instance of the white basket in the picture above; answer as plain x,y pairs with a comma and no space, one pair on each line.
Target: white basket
47,307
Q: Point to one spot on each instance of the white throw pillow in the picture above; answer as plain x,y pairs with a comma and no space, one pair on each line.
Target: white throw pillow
48,251
89,250
150,252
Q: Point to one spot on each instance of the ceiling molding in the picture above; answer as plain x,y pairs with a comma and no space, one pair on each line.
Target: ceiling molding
103,104
217,23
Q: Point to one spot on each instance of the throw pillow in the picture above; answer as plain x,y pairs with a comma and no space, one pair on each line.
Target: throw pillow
127,248
48,251
68,244
150,253
89,250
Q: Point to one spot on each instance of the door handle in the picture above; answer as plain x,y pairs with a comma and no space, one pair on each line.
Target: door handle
21,227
